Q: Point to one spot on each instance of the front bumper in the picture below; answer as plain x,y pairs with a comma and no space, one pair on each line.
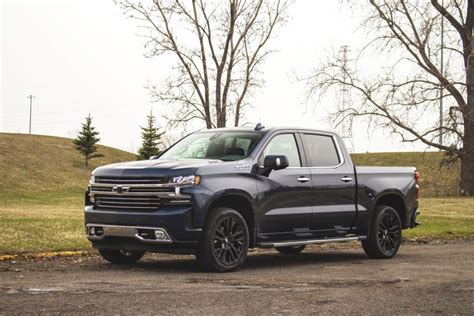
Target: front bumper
139,229
144,234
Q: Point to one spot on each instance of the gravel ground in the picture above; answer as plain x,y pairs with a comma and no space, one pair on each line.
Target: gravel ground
433,278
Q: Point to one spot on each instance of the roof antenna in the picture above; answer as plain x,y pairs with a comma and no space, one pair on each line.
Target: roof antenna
259,127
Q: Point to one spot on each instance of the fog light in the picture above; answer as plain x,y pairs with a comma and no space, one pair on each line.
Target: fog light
99,231
92,230
160,235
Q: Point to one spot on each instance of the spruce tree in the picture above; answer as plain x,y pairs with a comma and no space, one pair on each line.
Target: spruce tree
151,138
86,141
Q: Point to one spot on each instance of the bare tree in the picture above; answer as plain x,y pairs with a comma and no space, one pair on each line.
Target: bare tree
219,47
405,95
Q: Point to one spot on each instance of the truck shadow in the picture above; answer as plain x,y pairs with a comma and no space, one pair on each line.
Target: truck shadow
270,260
255,261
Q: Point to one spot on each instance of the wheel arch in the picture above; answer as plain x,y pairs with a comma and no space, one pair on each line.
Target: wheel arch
397,201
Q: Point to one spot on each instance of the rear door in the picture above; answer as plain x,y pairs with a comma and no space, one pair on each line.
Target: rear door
286,206
333,184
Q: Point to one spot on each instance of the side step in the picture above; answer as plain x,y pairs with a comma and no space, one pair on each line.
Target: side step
271,244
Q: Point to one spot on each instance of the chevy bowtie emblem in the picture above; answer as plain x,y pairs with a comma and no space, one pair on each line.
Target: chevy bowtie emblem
120,189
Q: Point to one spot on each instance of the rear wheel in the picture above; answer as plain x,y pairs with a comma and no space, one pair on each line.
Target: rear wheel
225,241
385,234
121,256
290,250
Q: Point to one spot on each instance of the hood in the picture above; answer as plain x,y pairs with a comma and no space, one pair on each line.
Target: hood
155,167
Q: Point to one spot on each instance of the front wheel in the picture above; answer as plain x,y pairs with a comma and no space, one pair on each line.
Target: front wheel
385,235
224,242
121,256
290,250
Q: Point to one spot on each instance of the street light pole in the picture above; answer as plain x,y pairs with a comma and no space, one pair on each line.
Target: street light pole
31,97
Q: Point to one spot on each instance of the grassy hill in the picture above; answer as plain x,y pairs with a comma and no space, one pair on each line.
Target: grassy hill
46,168
436,180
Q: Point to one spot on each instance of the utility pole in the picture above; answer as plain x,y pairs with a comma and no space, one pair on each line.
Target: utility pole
31,97
441,93
346,127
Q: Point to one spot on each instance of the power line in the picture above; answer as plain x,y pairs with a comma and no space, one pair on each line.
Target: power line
70,120
97,109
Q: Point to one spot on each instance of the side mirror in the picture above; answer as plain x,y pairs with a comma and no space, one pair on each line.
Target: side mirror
275,162
153,157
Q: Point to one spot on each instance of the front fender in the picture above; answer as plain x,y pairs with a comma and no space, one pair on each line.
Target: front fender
213,188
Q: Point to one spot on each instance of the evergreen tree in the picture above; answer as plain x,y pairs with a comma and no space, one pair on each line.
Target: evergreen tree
151,137
86,141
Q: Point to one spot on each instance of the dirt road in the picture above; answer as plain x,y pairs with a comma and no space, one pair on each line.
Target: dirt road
426,279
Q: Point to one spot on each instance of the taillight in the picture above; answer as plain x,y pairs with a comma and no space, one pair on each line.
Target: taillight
417,178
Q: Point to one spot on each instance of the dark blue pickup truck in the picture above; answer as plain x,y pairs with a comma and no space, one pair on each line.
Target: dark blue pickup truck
216,193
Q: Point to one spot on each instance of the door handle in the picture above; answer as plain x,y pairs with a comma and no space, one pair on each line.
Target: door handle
346,179
303,179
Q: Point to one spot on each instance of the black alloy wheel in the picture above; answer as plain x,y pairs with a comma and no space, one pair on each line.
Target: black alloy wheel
225,241
388,233
229,241
385,235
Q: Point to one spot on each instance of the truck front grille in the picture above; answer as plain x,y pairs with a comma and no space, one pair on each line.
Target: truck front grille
130,193
127,202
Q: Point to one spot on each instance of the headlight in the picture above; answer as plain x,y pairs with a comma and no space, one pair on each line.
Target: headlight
186,180
92,180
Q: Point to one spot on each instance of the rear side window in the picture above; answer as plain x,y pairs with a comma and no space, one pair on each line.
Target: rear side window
284,144
321,150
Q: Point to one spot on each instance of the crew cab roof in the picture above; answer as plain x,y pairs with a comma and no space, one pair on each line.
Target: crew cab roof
264,130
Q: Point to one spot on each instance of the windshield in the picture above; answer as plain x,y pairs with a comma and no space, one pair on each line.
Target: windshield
226,146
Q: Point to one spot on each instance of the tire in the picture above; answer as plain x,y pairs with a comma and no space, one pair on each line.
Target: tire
290,250
385,235
225,241
121,256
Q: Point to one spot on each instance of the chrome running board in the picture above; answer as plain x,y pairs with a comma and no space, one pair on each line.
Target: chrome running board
271,244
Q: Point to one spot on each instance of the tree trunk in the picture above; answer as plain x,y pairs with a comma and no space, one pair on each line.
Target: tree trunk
467,156
467,159
221,122
221,118
208,117
237,116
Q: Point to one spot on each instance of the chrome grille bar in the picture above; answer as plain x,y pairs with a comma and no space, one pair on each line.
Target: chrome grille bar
126,198
163,195
131,180
133,185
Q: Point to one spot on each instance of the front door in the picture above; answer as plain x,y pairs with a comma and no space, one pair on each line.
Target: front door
333,185
285,194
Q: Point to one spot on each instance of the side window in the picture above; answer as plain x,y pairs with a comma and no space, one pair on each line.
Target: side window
321,150
284,144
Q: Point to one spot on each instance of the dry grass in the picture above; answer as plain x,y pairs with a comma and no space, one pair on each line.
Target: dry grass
435,179
451,217
33,228
41,192
45,168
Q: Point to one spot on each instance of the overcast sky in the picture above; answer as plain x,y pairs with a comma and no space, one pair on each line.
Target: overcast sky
80,57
